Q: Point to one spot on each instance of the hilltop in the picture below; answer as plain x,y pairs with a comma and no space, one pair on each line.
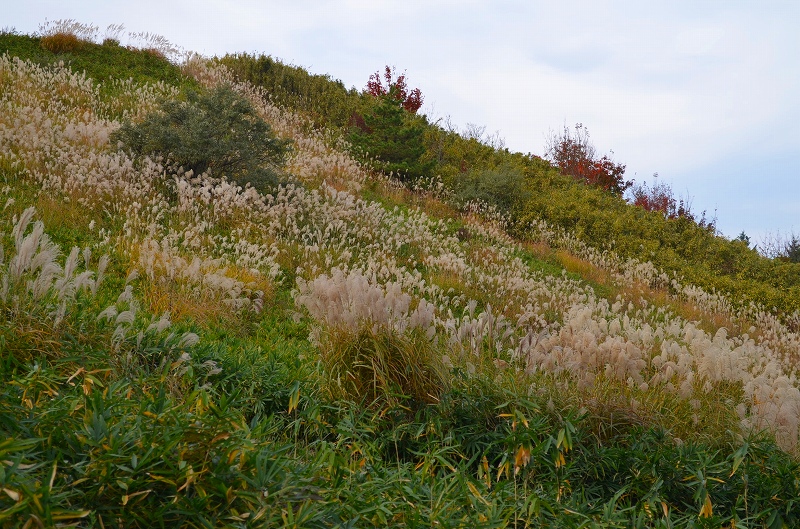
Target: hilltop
238,294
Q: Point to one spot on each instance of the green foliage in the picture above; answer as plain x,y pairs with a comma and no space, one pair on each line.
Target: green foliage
381,365
504,187
100,428
218,131
99,62
674,245
391,139
325,100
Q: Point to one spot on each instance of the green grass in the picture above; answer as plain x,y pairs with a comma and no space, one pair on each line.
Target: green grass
100,62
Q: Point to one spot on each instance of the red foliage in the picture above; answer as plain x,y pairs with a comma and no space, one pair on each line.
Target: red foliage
575,156
660,198
357,120
397,89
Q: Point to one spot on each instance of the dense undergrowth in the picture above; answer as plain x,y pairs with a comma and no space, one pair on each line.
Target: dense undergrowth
346,351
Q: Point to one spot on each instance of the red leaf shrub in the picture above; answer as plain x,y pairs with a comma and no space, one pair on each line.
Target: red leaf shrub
397,89
660,198
576,156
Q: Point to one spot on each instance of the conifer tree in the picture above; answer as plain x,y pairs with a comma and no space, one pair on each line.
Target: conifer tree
390,133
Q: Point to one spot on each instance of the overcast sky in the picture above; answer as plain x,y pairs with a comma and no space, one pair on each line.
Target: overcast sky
706,94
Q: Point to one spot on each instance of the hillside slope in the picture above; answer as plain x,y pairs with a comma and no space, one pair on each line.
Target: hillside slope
533,191
340,349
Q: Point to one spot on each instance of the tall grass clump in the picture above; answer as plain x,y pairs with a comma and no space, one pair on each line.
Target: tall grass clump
372,344
37,290
60,36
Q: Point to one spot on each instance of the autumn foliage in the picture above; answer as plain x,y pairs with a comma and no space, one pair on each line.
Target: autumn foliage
395,88
574,155
61,42
660,198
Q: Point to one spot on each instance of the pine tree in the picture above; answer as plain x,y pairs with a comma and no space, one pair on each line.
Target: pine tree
393,139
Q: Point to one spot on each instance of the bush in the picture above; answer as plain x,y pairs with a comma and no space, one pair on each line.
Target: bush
576,156
218,131
503,187
661,198
325,100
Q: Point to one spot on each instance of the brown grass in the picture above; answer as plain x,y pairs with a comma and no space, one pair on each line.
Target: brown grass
185,303
583,268
66,213
61,43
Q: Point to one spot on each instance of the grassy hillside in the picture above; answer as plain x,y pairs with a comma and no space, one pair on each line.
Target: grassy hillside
338,348
600,219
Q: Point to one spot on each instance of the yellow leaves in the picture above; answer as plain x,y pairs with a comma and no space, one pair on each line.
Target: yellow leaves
707,511
89,380
220,437
294,397
127,497
475,492
14,495
522,459
484,474
190,477
502,469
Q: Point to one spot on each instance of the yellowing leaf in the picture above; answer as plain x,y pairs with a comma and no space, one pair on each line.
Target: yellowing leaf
522,459
707,511
475,492
14,495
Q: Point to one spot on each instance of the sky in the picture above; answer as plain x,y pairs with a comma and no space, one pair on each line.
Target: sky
704,93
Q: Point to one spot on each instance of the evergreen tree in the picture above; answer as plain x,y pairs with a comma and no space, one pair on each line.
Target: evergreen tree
392,138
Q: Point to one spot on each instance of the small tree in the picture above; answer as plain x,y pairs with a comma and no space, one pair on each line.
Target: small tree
575,155
744,238
390,132
792,249
218,131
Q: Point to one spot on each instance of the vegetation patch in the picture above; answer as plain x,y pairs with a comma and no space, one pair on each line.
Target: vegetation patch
343,348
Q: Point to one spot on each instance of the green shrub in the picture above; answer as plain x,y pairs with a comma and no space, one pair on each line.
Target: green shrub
392,139
325,100
503,187
218,131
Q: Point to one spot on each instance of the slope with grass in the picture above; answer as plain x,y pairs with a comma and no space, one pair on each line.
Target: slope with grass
533,191
341,350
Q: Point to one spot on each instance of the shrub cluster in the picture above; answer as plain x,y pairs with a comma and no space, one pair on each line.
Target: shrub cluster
575,155
218,131
61,42
660,198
